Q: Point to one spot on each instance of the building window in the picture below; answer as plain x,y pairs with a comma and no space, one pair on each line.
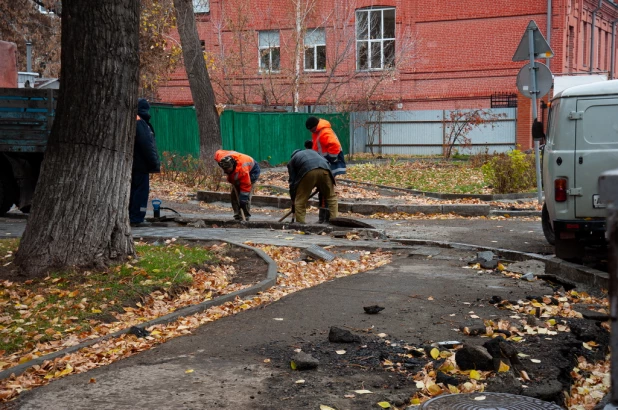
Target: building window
375,38
269,50
201,6
315,50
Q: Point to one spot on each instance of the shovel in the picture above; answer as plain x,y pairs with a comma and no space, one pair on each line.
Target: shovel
292,210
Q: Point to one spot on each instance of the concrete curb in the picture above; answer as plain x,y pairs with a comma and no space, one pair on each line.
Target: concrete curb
501,212
438,195
270,281
359,208
557,267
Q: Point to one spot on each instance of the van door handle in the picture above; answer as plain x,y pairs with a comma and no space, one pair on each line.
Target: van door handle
581,160
574,191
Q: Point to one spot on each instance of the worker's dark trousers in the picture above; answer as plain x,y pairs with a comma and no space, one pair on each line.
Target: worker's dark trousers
138,201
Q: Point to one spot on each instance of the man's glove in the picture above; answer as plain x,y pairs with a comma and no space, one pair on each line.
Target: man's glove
244,202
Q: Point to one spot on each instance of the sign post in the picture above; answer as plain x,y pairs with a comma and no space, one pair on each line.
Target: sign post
532,46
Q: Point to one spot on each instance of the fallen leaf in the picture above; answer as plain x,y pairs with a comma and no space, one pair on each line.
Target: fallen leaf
266,360
475,375
301,381
362,391
325,407
480,398
340,351
430,298
293,365
503,367
92,380
535,360
189,371
384,404
435,353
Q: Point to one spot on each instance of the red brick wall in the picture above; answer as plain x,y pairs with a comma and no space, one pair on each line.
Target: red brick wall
8,64
462,51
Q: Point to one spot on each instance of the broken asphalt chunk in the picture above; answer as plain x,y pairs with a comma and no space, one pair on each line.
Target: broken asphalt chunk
485,256
138,331
372,310
491,264
317,252
528,276
338,335
472,357
304,361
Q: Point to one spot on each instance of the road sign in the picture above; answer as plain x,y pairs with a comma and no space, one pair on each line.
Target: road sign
541,48
544,80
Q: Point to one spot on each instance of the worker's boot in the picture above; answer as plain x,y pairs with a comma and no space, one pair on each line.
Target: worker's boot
321,215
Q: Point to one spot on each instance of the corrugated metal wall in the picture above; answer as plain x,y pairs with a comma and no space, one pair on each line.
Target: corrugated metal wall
264,136
422,132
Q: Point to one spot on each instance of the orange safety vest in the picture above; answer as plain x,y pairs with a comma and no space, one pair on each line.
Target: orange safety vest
325,141
240,176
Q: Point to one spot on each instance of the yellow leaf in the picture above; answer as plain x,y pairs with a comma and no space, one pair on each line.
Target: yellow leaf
74,293
500,267
156,270
551,322
384,404
503,367
415,400
189,371
475,375
66,370
96,310
293,365
435,353
387,363
453,389
324,407
434,389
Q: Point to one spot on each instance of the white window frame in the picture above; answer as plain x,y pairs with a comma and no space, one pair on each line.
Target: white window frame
370,41
201,6
315,51
270,47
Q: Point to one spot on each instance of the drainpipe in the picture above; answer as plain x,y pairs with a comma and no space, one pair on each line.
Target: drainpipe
29,56
547,60
612,63
592,30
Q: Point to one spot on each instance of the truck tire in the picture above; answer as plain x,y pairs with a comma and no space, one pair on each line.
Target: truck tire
8,191
548,230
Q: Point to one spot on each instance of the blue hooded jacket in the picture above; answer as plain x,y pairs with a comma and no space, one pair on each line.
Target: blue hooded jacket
145,156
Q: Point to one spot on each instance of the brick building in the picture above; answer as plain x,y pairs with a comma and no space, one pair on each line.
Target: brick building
402,54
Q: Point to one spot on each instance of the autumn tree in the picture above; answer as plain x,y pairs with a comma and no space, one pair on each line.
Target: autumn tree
199,81
80,210
458,124
22,21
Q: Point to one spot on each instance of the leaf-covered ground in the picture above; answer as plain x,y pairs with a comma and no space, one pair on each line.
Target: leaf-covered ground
295,274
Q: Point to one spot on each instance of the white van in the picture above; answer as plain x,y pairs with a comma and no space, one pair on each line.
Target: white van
582,143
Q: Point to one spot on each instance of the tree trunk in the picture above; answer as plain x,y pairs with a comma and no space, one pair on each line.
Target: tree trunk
199,82
80,210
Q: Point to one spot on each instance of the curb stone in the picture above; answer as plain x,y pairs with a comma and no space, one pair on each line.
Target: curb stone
514,213
555,268
270,281
439,195
360,208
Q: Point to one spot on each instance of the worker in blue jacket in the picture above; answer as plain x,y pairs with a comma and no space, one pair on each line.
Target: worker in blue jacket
145,162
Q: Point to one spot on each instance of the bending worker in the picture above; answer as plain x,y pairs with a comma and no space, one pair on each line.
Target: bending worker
242,172
308,170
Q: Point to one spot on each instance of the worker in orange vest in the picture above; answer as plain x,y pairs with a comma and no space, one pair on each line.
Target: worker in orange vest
326,143
242,172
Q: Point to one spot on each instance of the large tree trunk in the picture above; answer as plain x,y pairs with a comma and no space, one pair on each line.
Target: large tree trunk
80,209
199,82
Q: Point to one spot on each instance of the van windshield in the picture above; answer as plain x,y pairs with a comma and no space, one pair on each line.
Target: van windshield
552,121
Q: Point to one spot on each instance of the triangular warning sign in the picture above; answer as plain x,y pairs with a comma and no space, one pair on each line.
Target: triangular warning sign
541,48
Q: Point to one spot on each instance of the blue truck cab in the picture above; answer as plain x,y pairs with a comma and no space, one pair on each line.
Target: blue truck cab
26,117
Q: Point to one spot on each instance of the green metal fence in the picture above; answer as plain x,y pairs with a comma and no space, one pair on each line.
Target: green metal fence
264,136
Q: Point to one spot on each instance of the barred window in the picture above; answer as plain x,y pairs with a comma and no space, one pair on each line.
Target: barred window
201,6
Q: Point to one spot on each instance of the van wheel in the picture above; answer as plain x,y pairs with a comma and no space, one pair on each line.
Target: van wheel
8,191
548,230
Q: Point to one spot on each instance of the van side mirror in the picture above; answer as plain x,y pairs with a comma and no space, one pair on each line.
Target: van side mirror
537,130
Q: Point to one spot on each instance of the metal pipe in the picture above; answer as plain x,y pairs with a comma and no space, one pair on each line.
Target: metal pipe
612,63
549,11
28,56
592,30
